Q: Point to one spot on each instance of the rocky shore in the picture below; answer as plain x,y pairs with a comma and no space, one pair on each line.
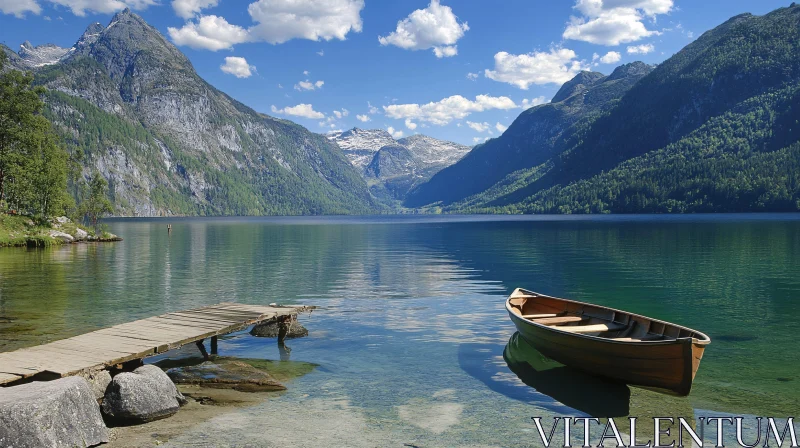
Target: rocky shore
144,406
20,231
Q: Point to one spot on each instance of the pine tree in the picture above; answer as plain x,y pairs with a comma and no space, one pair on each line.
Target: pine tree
33,164
97,203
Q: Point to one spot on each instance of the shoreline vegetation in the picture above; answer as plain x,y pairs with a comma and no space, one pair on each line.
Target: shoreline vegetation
36,170
25,231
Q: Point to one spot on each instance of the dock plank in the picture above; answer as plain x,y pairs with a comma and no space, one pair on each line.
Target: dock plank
135,340
8,377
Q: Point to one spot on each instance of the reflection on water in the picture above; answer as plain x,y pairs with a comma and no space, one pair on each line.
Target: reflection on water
411,308
592,395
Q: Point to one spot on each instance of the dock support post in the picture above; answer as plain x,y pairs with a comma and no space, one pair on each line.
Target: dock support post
213,346
202,349
283,328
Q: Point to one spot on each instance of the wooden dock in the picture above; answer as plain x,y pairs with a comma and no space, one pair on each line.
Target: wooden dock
135,340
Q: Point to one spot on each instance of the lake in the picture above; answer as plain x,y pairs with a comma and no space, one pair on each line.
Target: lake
411,336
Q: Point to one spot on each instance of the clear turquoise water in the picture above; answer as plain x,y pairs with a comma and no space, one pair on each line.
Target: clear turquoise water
411,331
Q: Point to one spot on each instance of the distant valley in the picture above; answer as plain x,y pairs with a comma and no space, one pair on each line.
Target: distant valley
393,167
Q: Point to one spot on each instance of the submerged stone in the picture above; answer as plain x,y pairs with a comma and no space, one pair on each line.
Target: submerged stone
226,374
141,396
272,329
60,413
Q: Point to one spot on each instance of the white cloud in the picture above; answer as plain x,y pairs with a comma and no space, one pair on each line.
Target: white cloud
321,52
372,109
305,72
281,20
479,139
472,76
341,113
527,104
641,49
500,128
610,28
394,133
209,33
613,22
434,27
301,110
557,66
479,127
410,124
308,85
329,124
448,109
189,8
612,57
277,21
78,7
363,118
445,52
81,7
648,7
19,7
237,67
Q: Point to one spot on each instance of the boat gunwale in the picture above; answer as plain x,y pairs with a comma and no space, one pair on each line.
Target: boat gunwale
695,341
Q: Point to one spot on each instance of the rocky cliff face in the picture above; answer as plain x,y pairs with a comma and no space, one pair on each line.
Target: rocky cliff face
392,168
132,105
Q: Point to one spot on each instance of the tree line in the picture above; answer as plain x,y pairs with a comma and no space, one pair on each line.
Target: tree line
34,164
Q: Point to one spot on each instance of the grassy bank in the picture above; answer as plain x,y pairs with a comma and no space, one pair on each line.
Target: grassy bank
20,230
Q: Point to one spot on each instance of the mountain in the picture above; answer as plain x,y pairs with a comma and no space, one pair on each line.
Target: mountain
393,167
130,105
39,56
535,136
714,128
360,145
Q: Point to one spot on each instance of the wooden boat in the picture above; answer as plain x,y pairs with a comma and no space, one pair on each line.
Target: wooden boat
603,341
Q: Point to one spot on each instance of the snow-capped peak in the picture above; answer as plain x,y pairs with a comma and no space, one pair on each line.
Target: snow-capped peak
432,151
39,56
360,145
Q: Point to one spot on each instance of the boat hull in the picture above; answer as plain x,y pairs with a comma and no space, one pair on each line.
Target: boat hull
668,366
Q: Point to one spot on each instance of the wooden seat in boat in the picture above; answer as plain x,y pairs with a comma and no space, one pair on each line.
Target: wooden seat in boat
595,328
648,337
538,316
560,320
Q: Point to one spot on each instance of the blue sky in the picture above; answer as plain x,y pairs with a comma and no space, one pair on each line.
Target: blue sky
458,70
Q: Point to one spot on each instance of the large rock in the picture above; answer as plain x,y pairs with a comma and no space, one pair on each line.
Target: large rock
60,413
65,237
272,328
141,396
81,234
226,374
98,381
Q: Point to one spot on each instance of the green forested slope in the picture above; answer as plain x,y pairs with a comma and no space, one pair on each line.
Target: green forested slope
713,128
746,160
130,105
535,136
